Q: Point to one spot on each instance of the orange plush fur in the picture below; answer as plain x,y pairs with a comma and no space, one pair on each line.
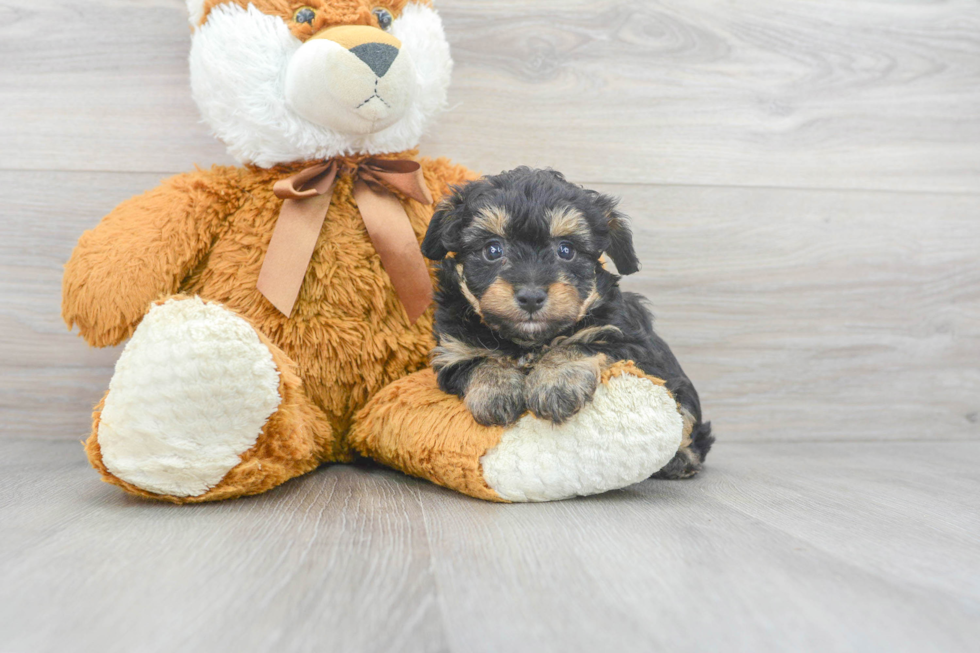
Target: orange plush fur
414,427
328,12
205,233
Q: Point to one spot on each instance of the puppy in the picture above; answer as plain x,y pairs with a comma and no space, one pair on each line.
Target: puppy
528,316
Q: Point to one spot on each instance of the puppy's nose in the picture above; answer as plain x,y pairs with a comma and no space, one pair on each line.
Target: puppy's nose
378,56
531,299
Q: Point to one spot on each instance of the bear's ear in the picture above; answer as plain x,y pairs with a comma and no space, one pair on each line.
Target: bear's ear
620,248
195,8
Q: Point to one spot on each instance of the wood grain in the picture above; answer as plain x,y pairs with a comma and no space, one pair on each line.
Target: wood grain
49,378
326,560
835,94
820,547
800,315
812,315
908,512
696,571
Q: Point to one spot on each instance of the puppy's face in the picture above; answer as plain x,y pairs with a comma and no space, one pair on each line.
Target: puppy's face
526,248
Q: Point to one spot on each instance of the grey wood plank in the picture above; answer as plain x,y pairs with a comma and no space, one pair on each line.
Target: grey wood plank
680,566
817,315
776,547
900,510
100,85
840,93
49,378
330,562
800,315
843,93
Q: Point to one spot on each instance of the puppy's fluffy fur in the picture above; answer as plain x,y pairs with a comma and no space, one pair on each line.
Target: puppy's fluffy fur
527,315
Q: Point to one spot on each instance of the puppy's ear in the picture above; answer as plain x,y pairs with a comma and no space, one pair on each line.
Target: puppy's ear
445,232
620,248
444,227
432,247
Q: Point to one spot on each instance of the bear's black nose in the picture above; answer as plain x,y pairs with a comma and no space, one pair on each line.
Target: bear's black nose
378,56
531,299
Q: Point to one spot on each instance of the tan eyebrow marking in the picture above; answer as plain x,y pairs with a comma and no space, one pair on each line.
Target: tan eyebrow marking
493,219
568,222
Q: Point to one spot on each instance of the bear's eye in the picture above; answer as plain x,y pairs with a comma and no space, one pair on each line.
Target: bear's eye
565,251
384,18
494,251
305,15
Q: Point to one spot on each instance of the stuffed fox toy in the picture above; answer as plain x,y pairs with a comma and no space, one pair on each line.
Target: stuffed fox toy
277,313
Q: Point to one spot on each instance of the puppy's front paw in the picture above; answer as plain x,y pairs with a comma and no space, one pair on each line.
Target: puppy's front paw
558,389
492,408
495,395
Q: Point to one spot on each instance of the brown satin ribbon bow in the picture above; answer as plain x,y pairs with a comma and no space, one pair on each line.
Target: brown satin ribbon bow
307,196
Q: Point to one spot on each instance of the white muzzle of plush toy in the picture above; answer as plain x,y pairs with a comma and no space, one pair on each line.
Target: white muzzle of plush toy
353,79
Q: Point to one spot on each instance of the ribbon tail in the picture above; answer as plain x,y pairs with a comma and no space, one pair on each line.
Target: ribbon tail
394,239
291,250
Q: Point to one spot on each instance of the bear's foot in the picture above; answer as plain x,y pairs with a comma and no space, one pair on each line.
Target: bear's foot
202,407
631,429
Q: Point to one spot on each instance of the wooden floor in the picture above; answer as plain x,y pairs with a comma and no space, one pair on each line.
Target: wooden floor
777,547
804,180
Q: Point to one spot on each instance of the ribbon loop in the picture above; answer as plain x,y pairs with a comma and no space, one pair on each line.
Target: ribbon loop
315,180
307,197
403,175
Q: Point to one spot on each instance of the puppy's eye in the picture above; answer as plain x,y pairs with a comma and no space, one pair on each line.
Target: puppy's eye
494,251
565,251
305,15
384,18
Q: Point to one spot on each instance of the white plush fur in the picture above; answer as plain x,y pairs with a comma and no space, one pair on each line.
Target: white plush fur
195,11
329,86
631,429
191,393
239,60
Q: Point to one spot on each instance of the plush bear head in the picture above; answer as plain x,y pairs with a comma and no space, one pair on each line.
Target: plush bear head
282,81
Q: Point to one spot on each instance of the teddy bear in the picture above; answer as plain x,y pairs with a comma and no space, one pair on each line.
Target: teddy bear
278,313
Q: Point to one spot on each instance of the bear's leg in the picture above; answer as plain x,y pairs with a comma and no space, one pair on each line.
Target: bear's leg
203,407
631,429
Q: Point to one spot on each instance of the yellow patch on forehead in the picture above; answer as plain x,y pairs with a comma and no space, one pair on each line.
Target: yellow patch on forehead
493,219
567,222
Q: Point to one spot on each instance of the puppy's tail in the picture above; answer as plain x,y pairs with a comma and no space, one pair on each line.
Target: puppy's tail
702,439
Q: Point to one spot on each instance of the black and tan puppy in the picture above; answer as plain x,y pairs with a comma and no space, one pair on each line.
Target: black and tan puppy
527,315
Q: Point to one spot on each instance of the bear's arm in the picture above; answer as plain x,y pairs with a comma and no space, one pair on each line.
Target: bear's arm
141,251
441,174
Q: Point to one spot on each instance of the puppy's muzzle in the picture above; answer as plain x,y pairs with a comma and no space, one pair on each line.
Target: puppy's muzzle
351,78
